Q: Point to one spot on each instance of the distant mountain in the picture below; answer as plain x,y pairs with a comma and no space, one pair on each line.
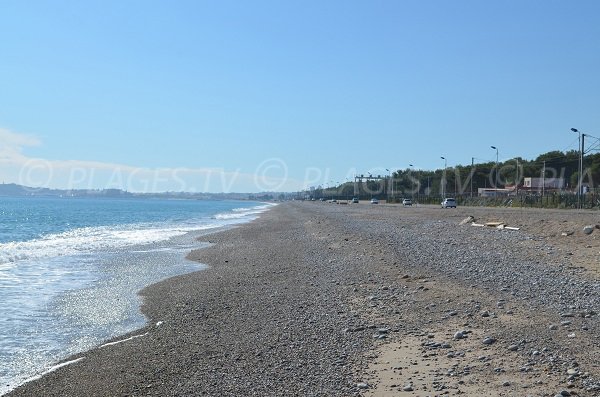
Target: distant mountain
14,190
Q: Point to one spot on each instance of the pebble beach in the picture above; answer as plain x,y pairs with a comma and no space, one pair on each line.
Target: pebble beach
319,299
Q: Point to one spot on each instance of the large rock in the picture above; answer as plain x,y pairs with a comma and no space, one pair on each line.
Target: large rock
588,229
469,219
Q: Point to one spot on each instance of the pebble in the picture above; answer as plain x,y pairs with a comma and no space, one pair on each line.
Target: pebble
488,341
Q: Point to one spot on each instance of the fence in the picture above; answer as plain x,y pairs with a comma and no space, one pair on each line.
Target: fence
552,200
589,200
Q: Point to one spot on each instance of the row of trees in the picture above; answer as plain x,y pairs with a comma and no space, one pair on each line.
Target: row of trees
464,179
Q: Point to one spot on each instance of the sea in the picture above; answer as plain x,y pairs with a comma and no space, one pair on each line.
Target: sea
71,268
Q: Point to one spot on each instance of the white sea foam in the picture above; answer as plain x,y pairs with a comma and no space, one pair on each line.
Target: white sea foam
90,239
123,340
239,213
86,240
52,369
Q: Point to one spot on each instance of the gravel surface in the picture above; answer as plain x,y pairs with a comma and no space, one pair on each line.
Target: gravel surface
305,299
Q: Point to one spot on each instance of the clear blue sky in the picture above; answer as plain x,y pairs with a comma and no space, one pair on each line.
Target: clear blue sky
260,95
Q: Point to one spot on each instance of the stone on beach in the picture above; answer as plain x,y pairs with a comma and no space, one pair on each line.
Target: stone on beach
588,229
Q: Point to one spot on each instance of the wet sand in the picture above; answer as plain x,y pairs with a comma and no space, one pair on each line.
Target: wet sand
317,299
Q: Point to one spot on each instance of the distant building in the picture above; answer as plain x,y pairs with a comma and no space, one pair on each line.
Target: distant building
546,183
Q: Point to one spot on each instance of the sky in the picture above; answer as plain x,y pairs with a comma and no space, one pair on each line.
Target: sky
249,96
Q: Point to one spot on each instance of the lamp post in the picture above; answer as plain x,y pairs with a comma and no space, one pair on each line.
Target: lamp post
580,168
472,174
543,178
444,177
517,178
391,184
412,183
495,148
332,190
583,154
428,185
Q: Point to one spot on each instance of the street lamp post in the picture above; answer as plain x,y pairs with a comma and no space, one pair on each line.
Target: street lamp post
412,183
428,185
495,148
444,177
472,174
580,168
391,184
517,178
332,190
544,178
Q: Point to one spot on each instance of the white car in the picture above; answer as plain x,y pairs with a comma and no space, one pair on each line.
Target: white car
407,202
374,201
449,203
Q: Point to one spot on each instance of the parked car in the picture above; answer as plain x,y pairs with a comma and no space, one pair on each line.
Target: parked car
355,200
374,201
407,202
449,203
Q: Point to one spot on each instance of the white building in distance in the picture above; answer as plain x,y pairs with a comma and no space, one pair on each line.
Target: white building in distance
546,183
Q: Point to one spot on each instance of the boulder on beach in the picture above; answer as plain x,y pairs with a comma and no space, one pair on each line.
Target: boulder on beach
469,219
588,229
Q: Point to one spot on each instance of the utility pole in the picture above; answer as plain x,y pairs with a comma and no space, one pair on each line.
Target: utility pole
444,177
544,178
412,183
472,174
390,183
517,179
428,186
580,171
581,168
496,149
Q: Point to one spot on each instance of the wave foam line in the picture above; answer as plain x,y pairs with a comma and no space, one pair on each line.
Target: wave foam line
123,340
238,213
52,369
58,366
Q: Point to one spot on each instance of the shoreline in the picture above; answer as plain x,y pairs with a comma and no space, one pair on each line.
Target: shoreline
152,257
309,297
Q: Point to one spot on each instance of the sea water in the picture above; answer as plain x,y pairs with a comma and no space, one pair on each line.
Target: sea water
70,269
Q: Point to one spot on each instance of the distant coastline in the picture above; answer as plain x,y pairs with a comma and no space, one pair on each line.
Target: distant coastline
15,190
